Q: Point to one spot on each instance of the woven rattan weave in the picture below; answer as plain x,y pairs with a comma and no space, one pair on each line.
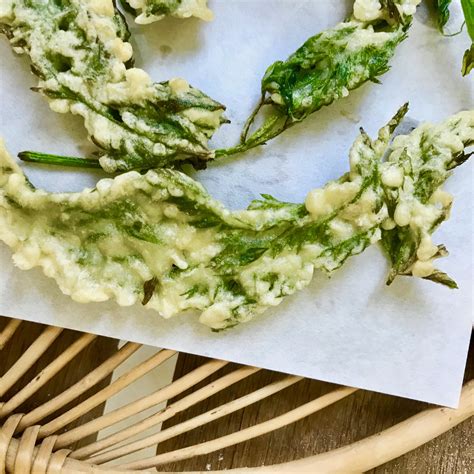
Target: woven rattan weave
44,439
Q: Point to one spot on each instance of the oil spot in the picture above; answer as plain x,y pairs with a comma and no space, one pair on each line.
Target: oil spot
165,50
351,116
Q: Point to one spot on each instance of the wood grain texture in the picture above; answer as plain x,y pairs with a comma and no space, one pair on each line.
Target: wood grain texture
361,415
99,350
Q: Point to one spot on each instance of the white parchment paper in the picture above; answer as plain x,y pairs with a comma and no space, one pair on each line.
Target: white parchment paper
409,339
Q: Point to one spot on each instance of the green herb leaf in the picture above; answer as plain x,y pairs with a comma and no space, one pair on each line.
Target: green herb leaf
324,69
442,279
442,10
468,61
83,62
421,206
468,10
131,232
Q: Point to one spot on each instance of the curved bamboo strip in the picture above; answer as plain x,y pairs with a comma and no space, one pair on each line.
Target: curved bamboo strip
197,421
360,456
242,435
46,374
171,390
382,447
57,461
30,356
6,438
24,457
101,396
8,331
43,455
20,455
166,413
76,390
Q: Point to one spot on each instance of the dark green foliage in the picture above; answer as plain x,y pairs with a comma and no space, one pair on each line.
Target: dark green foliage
442,10
323,69
326,68
468,61
468,10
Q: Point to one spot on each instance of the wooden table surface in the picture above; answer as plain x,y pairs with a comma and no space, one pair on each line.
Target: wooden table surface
351,419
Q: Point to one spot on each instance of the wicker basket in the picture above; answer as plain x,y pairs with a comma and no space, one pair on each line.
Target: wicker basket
59,434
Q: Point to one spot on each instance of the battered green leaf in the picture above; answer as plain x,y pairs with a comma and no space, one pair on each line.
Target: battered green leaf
159,238
80,53
327,67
